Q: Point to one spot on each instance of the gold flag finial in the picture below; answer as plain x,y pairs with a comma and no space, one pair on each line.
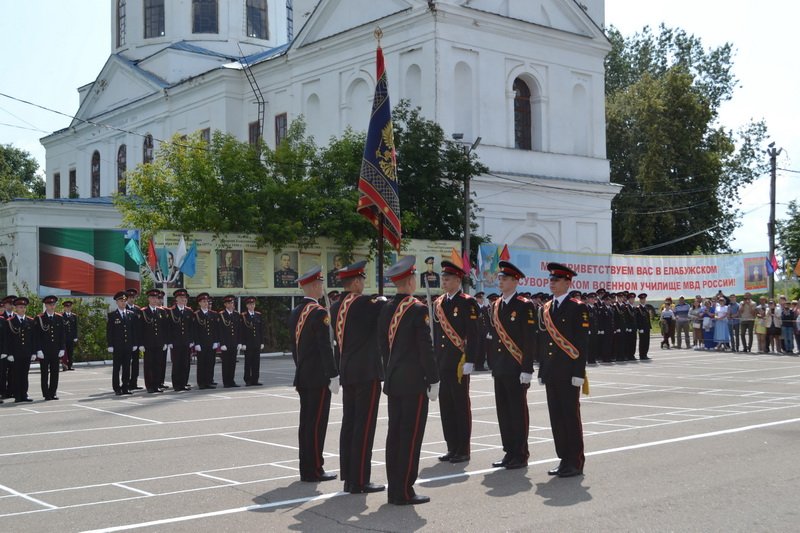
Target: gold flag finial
378,33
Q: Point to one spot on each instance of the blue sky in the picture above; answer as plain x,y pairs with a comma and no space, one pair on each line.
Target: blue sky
52,47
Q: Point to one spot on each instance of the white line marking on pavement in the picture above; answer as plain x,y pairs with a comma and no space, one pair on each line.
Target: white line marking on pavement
25,496
123,486
260,441
118,414
228,481
321,497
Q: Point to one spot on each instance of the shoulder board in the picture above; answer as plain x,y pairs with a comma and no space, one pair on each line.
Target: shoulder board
258,313
522,299
188,308
142,308
58,314
466,296
576,300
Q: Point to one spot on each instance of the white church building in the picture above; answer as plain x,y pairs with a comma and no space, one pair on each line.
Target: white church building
526,76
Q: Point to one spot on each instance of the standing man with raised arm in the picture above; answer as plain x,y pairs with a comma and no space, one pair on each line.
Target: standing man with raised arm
411,380
316,377
563,369
355,320
456,344
513,322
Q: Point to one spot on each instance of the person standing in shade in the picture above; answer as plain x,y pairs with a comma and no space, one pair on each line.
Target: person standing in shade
136,314
155,338
230,340
316,377
205,329
120,341
355,319
20,348
513,333
70,335
643,326
562,370
252,342
181,340
411,380
50,334
455,323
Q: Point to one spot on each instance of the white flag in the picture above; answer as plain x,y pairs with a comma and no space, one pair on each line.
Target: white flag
180,253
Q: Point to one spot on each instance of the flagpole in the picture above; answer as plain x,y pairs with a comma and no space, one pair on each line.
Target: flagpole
380,255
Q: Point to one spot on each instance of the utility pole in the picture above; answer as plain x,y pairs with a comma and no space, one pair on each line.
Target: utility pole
773,154
467,176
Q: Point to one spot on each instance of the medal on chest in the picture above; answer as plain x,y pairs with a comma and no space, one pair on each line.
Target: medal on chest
513,316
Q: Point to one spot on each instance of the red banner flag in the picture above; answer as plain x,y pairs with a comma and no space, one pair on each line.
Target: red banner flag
505,255
152,257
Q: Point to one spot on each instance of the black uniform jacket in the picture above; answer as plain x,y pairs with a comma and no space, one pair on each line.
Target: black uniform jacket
119,331
252,330
519,318
20,337
410,365
572,321
357,358
461,312
205,327
230,329
50,333
155,325
313,354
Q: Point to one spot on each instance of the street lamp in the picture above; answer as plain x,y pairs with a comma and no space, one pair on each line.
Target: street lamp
773,154
458,137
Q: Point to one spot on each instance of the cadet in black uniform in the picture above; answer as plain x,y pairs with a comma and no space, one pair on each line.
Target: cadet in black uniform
20,348
643,327
155,338
606,329
563,370
230,340
315,377
411,380
50,334
483,329
70,335
514,327
181,340
206,328
355,319
455,323
631,335
252,342
6,365
136,313
119,338
595,340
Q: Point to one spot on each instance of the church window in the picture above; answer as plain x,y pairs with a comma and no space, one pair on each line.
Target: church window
73,183
205,135
253,132
95,173
522,115
205,16
122,166
57,185
281,128
153,18
147,149
257,19
120,23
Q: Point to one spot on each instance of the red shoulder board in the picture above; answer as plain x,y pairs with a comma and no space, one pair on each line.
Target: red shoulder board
522,299
466,296
576,300
189,308
57,314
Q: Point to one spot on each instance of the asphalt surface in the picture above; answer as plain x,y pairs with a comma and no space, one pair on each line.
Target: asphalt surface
692,441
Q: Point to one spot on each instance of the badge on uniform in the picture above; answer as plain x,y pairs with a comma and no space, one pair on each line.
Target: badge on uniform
326,320
513,316
455,311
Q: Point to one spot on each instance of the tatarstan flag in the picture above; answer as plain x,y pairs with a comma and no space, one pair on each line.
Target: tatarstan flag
66,259
109,262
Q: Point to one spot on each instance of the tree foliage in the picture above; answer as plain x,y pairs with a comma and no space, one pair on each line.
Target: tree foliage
788,233
680,170
18,177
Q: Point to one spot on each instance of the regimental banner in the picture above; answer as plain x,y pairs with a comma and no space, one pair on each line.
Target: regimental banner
658,276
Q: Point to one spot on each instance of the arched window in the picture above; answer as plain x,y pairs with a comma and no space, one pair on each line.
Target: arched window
120,23
522,115
122,166
3,275
257,19
147,149
205,18
95,174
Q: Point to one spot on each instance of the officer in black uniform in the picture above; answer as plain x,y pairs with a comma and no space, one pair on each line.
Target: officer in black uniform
181,340
6,374
136,313
70,335
514,326
355,319
155,339
286,276
252,342
206,329
455,321
411,380
643,326
230,340
21,342
120,340
50,334
606,329
483,329
487,312
429,276
563,369
316,377
595,341
631,335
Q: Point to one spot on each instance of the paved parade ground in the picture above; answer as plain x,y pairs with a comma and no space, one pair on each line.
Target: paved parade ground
692,441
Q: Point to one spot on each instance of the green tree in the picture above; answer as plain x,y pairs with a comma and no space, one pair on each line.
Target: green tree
788,233
681,172
18,175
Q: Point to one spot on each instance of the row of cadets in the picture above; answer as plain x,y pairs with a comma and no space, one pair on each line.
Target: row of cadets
617,322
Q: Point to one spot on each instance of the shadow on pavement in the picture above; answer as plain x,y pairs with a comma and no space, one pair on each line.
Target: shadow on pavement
563,492
507,482
444,469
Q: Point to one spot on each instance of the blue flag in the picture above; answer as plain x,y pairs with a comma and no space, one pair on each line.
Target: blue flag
189,265
770,268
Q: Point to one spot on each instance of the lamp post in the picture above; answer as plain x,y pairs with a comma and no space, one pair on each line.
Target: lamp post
773,154
458,137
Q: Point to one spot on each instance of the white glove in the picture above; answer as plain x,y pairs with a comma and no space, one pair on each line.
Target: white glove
433,392
10,358
3,356
525,378
110,349
170,346
215,346
141,349
239,347
577,382
334,385
244,346
191,345
489,336
467,369
262,347
197,348
135,349
61,353
224,348
641,331
75,340
39,355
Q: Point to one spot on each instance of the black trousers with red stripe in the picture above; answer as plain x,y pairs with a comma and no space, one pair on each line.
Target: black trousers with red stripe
359,417
563,403
456,412
408,415
315,406
511,399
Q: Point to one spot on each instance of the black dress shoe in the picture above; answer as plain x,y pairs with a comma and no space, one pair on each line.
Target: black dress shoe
162,386
569,471
459,458
556,470
137,388
368,488
446,457
322,477
257,384
151,391
515,463
214,383
54,397
118,393
127,392
502,462
23,400
47,398
414,500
